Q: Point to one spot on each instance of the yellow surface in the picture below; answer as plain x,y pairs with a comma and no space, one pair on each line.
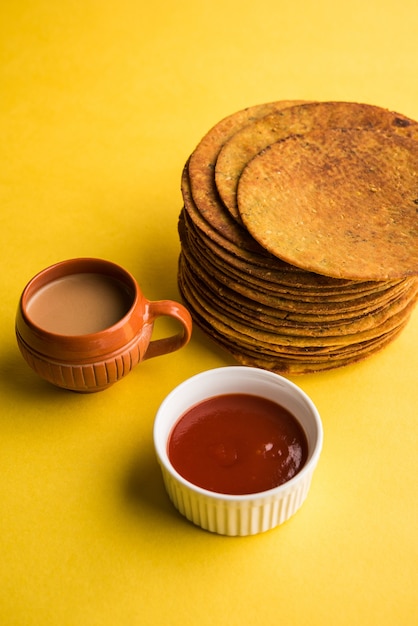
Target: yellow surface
101,103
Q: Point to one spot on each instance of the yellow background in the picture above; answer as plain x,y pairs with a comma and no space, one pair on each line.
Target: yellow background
101,103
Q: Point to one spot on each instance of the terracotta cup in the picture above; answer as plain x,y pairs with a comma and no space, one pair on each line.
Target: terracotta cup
83,324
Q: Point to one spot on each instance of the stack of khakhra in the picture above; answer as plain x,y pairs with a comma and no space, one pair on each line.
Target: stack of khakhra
299,233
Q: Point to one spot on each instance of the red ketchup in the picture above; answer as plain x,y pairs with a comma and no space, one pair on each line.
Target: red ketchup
237,444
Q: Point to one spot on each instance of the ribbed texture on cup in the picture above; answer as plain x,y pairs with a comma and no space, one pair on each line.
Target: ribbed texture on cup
236,517
85,378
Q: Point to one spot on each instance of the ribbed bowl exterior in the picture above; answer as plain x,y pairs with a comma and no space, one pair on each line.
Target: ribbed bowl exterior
236,517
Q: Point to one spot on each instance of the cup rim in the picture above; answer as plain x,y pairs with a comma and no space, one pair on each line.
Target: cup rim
160,445
77,265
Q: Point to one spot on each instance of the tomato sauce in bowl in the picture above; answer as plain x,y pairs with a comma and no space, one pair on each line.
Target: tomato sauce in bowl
237,443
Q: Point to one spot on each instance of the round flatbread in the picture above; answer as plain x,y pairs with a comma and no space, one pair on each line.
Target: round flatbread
283,359
332,174
198,182
343,203
247,142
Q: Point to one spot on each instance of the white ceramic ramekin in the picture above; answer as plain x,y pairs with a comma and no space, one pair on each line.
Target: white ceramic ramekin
237,514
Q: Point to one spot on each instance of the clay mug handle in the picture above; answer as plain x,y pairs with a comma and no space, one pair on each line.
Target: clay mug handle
159,308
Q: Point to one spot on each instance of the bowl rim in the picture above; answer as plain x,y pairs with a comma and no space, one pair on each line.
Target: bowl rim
160,446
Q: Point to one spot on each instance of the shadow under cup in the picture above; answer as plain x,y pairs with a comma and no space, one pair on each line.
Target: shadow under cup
83,324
